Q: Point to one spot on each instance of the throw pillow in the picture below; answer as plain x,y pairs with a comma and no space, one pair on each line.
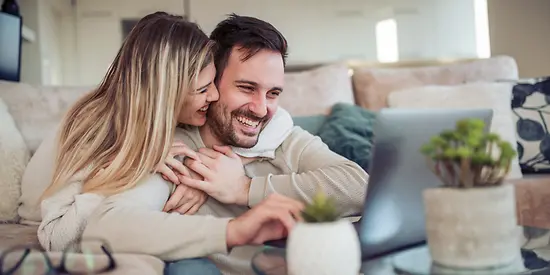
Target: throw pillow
483,95
313,92
531,106
14,157
348,132
374,85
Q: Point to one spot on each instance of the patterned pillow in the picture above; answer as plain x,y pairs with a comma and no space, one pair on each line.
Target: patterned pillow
531,107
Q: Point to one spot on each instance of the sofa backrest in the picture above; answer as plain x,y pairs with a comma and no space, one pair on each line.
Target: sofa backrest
37,110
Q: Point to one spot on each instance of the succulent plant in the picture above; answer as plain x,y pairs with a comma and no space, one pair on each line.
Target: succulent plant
321,209
468,156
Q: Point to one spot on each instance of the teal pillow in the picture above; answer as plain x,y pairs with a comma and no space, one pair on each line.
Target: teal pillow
312,124
348,131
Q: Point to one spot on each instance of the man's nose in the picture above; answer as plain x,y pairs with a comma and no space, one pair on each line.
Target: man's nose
259,105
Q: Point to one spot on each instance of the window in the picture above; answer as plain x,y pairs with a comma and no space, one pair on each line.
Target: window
387,47
483,44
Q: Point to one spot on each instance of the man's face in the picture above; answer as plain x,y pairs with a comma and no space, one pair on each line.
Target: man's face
249,93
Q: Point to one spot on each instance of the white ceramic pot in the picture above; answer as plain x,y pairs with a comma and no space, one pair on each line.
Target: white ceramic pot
472,228
323,248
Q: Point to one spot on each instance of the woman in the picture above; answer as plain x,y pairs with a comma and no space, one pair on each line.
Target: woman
113,141
116,136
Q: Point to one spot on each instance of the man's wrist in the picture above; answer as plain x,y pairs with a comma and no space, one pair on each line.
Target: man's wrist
231,237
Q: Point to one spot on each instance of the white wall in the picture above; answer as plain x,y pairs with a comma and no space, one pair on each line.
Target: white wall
432,29
42,60
521,29
98,34
31,69
317,30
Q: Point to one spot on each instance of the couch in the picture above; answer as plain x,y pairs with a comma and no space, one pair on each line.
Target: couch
310,95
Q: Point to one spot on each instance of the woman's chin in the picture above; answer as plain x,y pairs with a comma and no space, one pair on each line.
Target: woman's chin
197,119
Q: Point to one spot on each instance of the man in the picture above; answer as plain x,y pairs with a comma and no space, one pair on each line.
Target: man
252,200
250,65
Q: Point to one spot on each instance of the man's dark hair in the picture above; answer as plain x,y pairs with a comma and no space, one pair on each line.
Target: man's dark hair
250,34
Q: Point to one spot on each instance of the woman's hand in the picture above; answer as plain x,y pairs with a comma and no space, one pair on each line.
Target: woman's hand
171,167
185,199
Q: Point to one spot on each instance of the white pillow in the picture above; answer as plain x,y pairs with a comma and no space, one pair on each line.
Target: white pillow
315,91
14,157
489,95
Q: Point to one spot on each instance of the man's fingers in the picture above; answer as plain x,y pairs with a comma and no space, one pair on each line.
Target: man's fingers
226,150
204,186
199,168
178,166
165,171
284,217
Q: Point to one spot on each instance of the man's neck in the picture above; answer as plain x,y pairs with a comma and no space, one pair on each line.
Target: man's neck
208,137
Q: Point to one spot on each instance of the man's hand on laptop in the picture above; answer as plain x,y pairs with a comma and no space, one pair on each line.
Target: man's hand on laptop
271,219
223,173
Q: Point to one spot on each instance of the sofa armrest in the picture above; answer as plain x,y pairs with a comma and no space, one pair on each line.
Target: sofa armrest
533,201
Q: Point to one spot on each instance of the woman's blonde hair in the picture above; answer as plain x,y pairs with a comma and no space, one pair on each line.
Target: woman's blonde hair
119,132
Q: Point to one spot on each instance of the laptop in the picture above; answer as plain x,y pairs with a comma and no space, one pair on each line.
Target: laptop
393,212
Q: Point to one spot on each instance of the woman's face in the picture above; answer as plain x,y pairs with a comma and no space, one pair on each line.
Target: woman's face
195,104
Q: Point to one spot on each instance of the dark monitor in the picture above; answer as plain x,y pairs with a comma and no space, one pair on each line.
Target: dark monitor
10,47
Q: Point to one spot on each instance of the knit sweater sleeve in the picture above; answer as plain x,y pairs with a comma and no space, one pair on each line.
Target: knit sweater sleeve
64,216
133,222
315,167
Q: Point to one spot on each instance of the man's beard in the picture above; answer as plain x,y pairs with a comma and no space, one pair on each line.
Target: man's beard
220,122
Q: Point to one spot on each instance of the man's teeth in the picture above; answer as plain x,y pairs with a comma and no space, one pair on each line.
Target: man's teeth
247,121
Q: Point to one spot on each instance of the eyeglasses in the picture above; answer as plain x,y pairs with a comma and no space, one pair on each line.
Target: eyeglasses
86,256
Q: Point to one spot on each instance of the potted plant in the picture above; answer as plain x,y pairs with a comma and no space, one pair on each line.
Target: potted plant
471,219
323,243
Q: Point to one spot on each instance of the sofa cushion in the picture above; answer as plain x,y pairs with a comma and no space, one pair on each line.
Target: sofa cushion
37,109
314,92
14,157
373,85
348,132
531,105
17,234
495,96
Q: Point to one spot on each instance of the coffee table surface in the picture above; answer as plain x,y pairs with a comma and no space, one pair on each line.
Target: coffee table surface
271,261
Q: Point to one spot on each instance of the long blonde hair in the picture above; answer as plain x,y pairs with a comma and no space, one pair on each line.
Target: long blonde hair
119,132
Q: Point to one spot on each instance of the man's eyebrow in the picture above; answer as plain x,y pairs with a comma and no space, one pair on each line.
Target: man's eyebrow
256,84
241,81
198,89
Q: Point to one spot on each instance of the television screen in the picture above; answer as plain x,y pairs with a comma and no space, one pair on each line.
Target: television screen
10,47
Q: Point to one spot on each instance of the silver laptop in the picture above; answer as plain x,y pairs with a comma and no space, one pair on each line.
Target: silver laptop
393,214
